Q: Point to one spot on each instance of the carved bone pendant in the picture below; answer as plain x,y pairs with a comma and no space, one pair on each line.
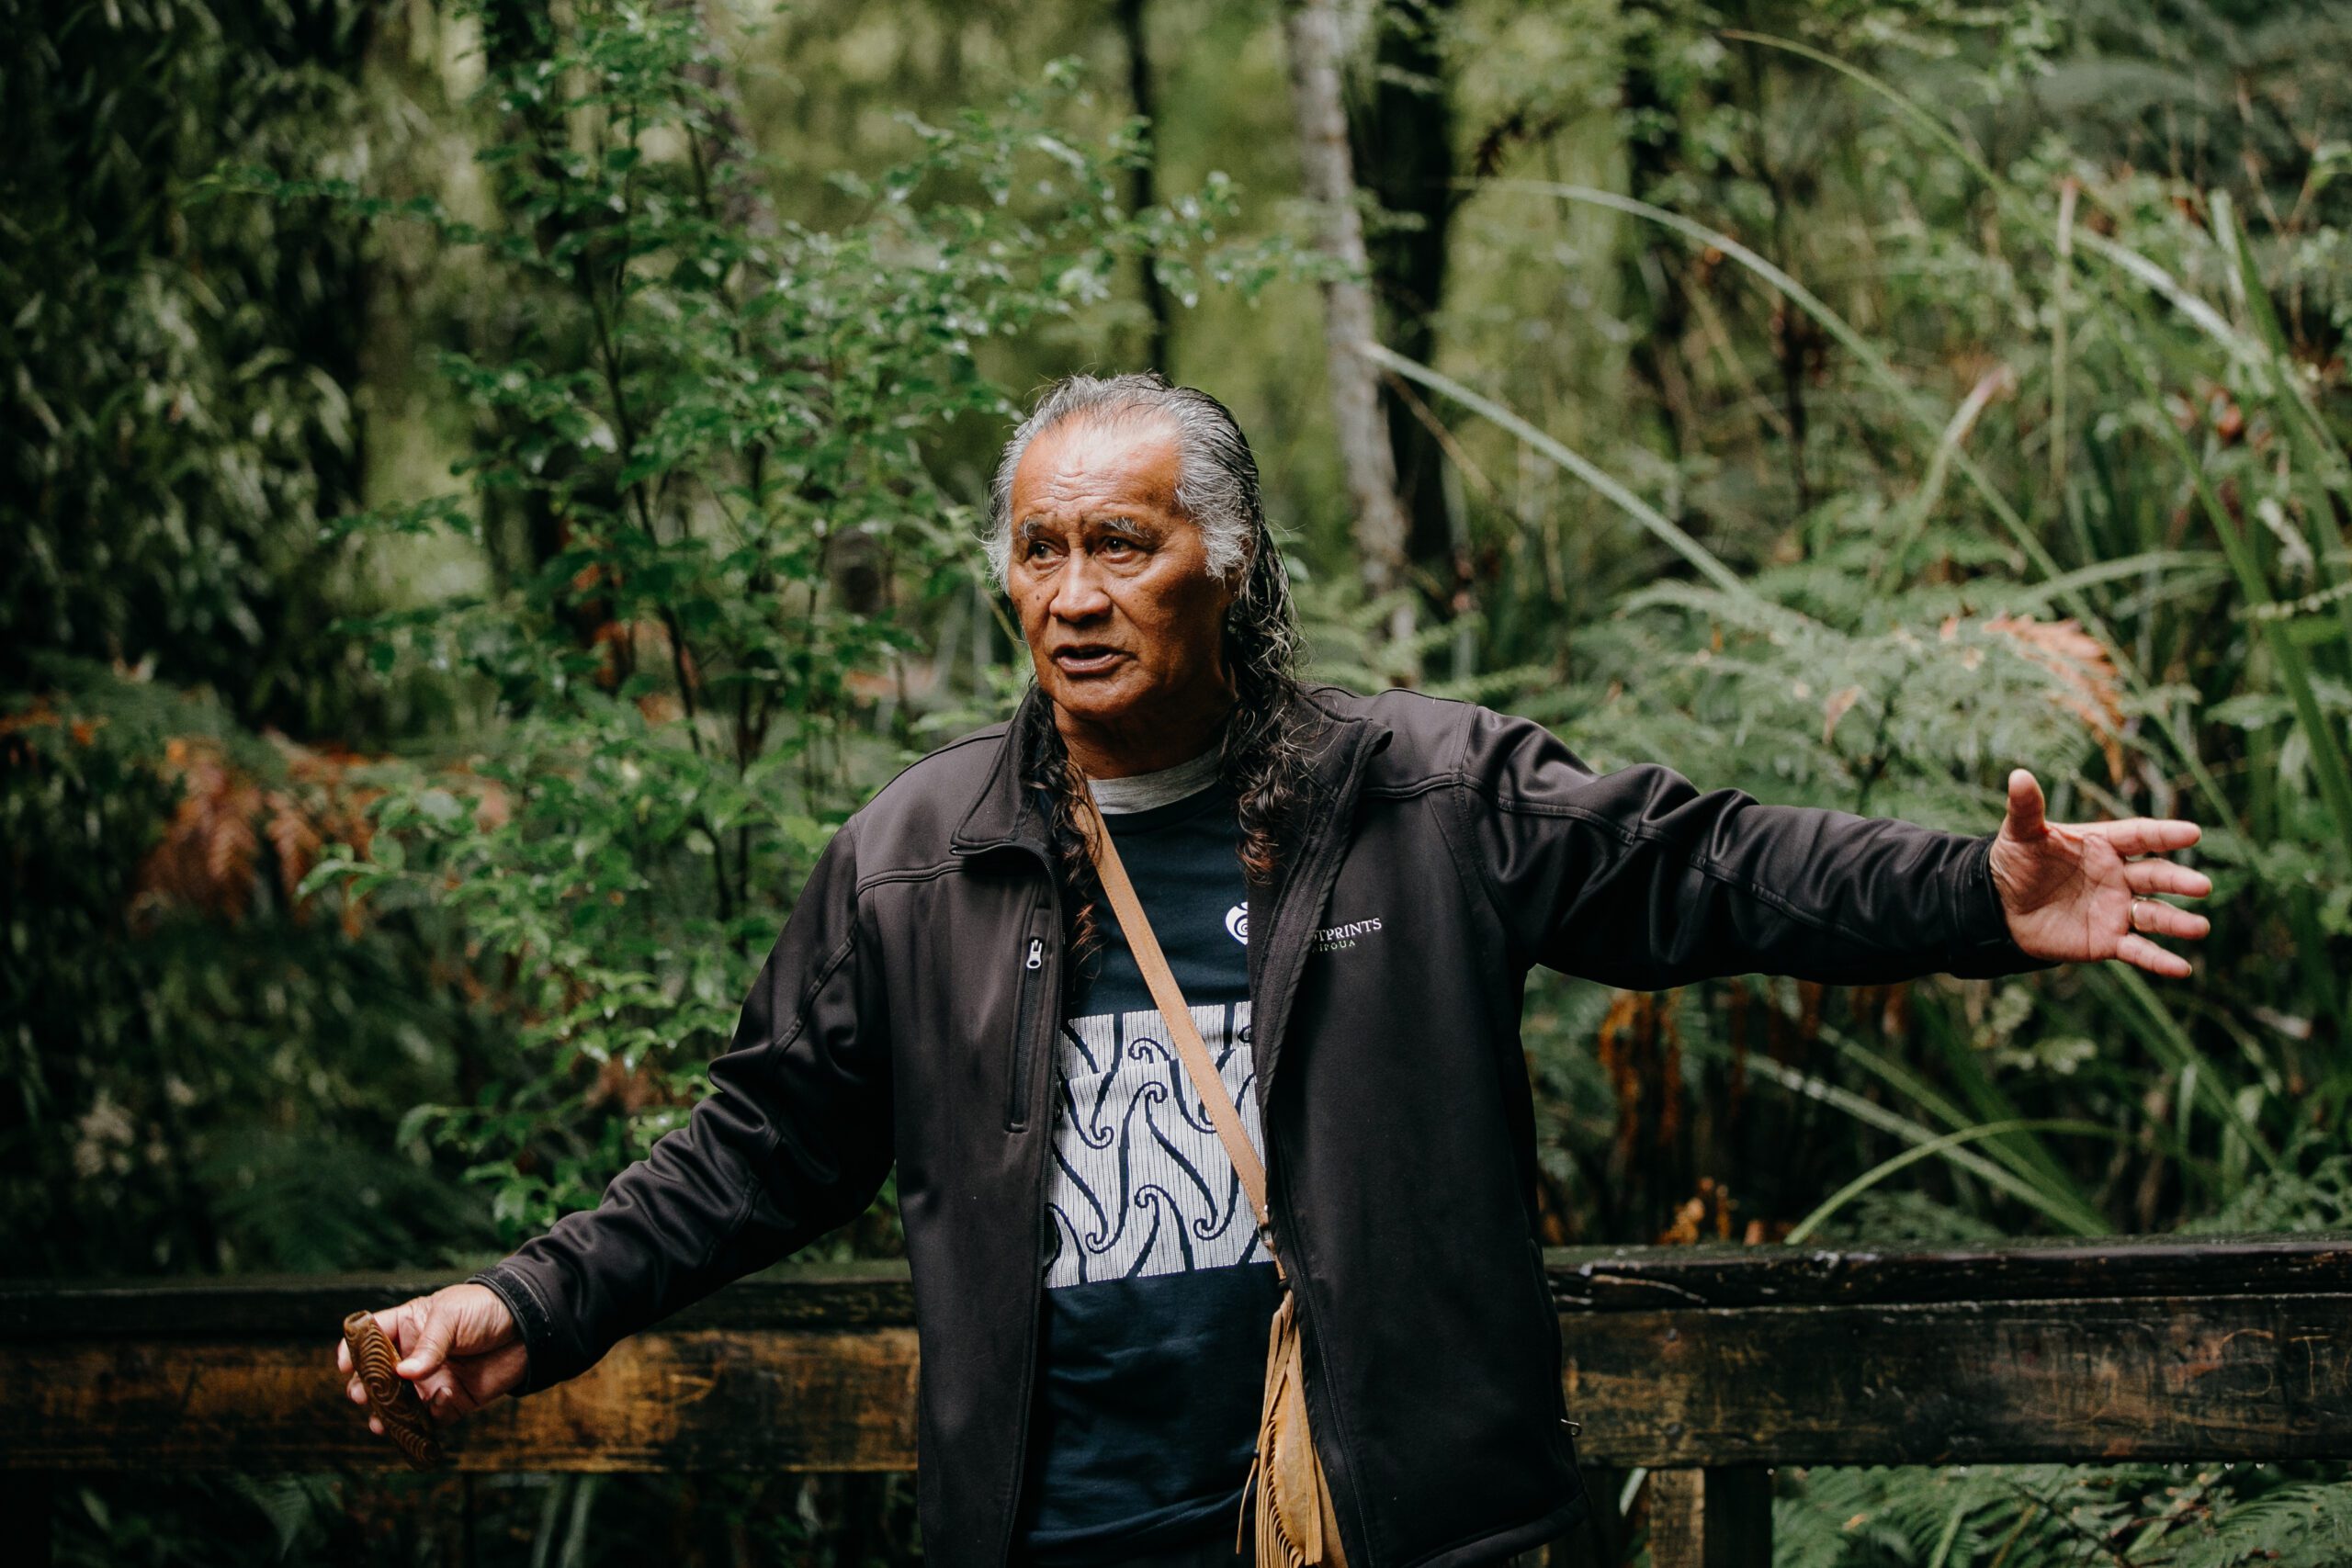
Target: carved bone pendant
391,1396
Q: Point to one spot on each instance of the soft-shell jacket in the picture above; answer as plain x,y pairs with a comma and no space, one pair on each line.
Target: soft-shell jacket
908,1012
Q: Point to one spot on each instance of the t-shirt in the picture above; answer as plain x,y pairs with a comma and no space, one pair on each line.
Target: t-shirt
1159,1292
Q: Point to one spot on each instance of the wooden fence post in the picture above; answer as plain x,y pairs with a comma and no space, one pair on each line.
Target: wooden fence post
1711,1518
28,1503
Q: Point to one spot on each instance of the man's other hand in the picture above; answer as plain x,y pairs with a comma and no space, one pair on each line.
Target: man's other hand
2073,892
459,1348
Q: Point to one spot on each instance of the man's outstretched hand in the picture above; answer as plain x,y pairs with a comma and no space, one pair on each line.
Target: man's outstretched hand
2073,892
460,1350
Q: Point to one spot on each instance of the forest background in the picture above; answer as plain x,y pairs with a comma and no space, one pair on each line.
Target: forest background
489,487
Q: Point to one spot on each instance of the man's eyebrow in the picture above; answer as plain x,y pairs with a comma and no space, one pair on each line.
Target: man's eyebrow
1031,525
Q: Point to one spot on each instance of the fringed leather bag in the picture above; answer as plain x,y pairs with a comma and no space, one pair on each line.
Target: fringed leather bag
1295,1525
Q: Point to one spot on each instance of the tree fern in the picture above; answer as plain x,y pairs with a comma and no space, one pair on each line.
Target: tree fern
2299,1525
2062,1516
299,1507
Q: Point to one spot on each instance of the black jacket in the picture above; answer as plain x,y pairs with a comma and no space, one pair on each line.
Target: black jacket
899,1020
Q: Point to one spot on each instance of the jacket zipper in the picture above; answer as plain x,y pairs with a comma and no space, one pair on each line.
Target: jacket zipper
1025,1025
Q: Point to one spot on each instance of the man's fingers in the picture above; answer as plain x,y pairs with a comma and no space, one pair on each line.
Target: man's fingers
432,1343
437,1385
2165,876
2150,917
399,1324
2146,835
2026,819
2140,951
357,1389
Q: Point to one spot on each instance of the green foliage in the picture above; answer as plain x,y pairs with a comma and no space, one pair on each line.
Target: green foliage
229,1100
177,378
721,422
2045,1516
2312,1191
2077,505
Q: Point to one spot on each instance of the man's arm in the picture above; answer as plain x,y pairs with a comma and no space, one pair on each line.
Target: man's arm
793,1140
1637,878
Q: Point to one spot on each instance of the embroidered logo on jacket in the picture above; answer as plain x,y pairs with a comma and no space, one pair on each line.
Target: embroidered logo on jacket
1332,939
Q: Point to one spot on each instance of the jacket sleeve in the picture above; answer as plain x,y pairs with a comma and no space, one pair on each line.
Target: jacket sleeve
793,1140
1639,879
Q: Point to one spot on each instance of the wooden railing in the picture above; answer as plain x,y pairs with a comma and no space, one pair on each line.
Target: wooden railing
1706,1366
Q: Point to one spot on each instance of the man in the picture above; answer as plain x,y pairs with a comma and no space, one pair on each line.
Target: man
1350,891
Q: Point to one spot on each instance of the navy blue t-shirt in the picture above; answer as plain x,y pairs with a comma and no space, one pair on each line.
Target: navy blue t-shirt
1159,1292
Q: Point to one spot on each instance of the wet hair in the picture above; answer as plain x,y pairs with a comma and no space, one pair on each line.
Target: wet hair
1264,757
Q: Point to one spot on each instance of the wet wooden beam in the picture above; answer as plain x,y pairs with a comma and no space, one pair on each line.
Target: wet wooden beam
700,1399
1675,1358
2130,1267
1584,1281
2186,1378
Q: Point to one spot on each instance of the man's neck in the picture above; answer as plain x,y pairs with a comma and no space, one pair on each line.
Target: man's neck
1143,744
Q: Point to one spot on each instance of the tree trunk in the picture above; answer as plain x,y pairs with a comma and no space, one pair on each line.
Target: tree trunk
739,197
1652,266
1402,138
1142,192
1311,28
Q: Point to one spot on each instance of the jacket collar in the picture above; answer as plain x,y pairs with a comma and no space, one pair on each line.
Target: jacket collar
1002,814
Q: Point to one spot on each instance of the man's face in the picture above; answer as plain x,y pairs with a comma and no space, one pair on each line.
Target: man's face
1112,583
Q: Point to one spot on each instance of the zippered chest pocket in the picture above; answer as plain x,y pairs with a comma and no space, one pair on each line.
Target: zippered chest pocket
1031,1014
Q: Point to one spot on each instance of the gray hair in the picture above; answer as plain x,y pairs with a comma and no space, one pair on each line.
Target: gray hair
1216,475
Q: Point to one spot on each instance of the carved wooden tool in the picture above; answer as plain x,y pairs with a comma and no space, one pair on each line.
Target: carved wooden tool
392,1398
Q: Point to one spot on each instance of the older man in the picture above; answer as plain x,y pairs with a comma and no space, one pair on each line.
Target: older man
1350,891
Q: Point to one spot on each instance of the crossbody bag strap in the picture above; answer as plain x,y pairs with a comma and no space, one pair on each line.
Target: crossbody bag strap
1190,1048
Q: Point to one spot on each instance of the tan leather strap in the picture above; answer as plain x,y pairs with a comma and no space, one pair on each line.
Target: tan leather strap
1190,1049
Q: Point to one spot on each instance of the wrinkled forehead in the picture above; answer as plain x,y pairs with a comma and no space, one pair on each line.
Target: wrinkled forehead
1092,463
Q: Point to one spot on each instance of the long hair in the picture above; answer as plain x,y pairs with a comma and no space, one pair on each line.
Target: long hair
1263,757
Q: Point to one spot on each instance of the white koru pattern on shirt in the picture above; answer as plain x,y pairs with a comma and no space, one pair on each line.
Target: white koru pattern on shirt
1140,1184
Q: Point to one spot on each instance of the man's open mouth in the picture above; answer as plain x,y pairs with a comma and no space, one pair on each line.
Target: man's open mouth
1088,659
